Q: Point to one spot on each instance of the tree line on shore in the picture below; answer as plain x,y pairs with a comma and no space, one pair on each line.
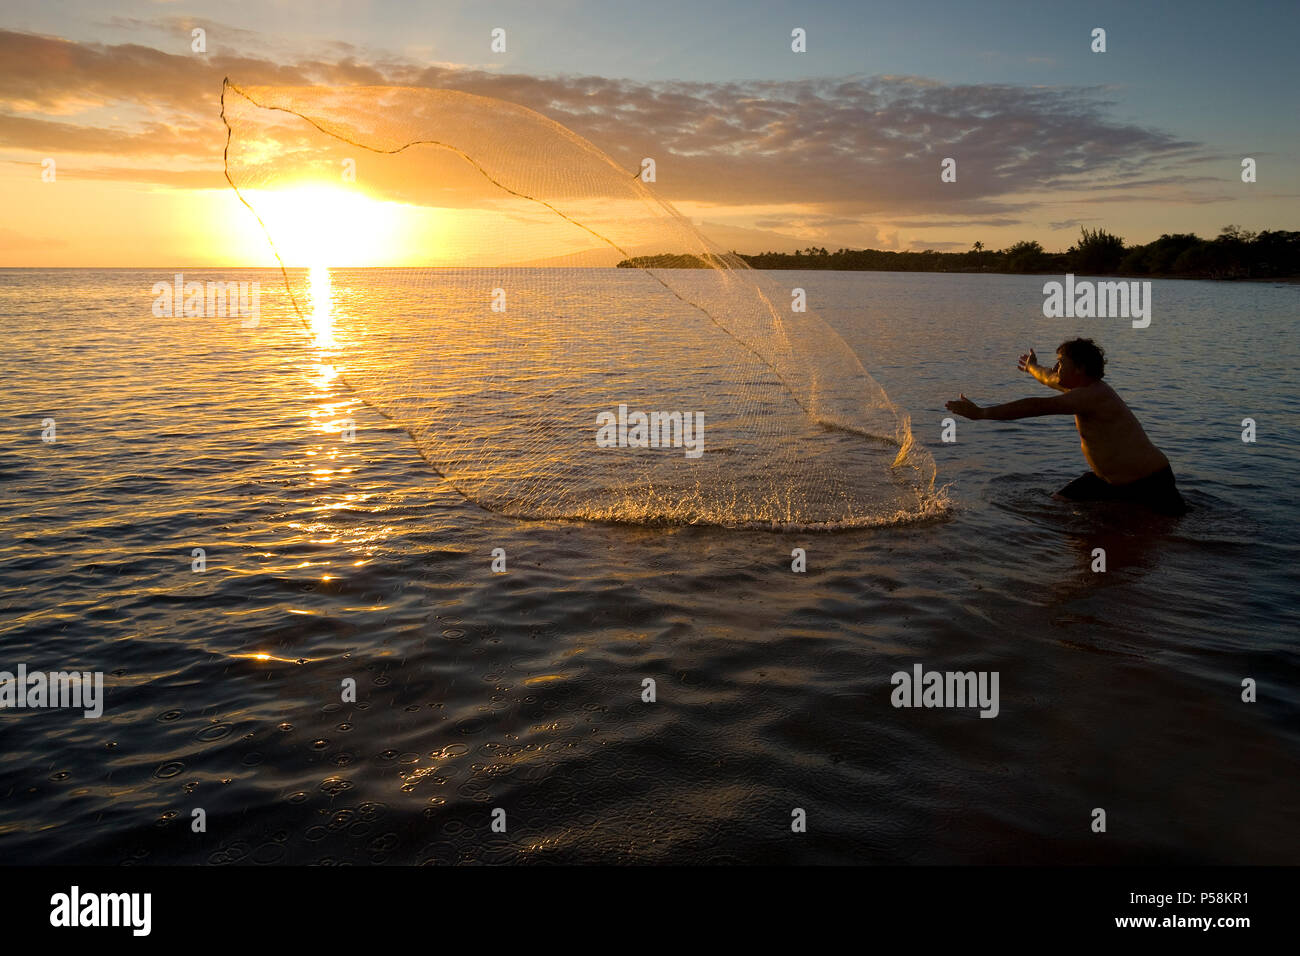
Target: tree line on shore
1234,254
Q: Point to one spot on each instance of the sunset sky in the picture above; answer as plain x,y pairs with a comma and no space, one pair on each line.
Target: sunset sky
761,147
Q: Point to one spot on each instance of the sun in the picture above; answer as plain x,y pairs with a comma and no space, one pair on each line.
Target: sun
316,225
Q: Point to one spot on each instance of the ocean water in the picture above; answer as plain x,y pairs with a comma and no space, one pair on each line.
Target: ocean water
330,560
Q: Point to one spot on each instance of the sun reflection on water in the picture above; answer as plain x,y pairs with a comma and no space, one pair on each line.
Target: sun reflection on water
322,306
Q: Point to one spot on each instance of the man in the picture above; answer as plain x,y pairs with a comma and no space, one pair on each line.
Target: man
1125,465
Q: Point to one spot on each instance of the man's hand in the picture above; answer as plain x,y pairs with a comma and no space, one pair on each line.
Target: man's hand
965,408
1028,362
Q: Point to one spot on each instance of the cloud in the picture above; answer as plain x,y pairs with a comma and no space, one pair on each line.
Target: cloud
990,223
848,150
1070,223
807,222
174,178
59,138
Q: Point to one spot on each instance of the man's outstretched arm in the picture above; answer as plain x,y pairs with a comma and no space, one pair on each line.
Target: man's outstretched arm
1067,403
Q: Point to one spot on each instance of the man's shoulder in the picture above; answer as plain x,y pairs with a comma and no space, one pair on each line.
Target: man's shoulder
1104,390
1095,396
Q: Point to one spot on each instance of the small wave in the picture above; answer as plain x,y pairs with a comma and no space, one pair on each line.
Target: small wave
934,506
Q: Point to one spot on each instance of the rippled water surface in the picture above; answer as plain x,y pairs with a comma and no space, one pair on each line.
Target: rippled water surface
329,560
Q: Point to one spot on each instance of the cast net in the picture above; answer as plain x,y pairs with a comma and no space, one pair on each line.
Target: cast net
558,341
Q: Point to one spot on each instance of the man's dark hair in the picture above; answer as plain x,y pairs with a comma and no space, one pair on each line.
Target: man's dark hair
1086,354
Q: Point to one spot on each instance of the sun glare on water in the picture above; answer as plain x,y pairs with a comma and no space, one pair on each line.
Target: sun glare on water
318,226
322,306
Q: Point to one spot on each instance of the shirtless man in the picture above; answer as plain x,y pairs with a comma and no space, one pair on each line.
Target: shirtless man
1125,465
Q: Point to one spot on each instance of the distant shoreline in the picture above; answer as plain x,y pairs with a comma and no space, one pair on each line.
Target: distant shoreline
1235,254
1286,280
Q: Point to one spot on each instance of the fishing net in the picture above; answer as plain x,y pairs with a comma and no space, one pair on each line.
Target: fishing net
558,341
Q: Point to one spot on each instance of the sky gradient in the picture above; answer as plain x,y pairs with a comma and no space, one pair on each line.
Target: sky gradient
761,147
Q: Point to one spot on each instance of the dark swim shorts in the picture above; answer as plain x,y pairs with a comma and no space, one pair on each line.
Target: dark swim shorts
1157,491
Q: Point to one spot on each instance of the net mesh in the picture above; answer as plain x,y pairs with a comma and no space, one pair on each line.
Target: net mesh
456,259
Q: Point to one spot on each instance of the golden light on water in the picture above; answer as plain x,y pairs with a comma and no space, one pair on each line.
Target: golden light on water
322,307
263,657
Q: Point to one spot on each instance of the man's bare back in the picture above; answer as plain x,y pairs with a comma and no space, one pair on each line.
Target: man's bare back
1114,444
1124,462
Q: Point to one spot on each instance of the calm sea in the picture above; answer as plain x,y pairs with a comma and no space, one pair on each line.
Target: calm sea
329,560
